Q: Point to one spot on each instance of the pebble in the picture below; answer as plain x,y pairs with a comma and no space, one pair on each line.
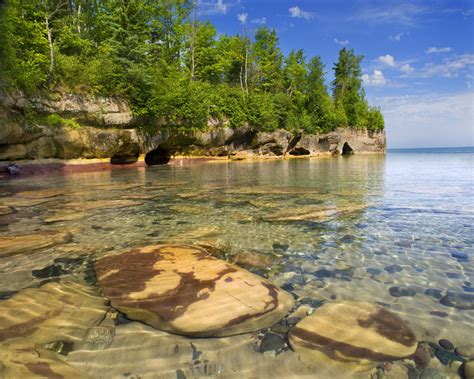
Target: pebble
374,271
434,292
445,344
466,351
393,269
99,337
459,300
468,370
422,356
292,321
459,256
61,347
272,342
446,357
398,291
280,247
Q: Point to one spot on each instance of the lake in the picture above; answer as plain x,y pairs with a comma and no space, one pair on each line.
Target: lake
395,230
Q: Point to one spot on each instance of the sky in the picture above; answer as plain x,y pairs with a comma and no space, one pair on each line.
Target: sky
418,62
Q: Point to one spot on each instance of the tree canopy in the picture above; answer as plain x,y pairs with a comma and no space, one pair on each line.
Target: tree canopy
172,66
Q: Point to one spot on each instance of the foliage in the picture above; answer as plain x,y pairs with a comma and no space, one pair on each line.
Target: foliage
55,120
175,68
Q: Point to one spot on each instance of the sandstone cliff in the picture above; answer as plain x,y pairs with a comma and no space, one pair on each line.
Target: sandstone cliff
107,130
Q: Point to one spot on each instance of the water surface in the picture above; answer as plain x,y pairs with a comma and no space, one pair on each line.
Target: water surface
393,230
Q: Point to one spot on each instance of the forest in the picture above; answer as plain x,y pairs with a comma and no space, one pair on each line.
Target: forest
172,65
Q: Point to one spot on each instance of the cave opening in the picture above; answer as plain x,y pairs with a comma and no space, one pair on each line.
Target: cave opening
128,155
347,150
160,155
300,151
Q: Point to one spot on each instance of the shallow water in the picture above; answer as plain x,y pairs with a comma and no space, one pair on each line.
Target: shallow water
391,226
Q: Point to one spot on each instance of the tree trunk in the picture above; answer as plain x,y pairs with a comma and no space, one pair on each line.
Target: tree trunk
51,47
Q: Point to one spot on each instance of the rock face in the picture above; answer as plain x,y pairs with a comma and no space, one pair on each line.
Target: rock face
183,290
352,333
108,130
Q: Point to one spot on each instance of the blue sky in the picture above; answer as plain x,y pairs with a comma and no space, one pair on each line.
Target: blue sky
418,56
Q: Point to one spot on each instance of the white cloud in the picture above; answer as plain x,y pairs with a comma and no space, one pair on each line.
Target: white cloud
406,68
210,7
404,13
242,17
259,21
297,12
377,79
435,50
396,37
387,59
450,68
428,119
343,42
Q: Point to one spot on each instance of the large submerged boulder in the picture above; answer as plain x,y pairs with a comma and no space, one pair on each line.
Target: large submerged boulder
183,290
353,333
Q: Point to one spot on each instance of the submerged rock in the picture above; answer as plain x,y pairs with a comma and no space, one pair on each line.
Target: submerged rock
29,242
314,213
357,334
459,300
53,312
183,290
251,259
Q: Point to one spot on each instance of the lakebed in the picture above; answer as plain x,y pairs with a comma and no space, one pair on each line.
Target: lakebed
393,231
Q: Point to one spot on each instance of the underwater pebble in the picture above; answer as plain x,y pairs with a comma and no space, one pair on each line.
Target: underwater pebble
398,291
393,269
458,300
434,292
446,344
272,342
459,256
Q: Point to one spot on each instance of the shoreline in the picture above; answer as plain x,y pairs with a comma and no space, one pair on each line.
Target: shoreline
46,166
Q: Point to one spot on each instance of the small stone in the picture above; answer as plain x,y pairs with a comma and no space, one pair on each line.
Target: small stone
280,247
439,314
374,271
445,344
280,329
459,256
398,291
459,300
466,351
292,321
446,357
61,347
422,356
180,374
272,342
13,169
468,370
393,269
270,354
434,292
99,337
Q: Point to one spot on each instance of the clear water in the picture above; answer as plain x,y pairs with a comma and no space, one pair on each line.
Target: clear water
413,210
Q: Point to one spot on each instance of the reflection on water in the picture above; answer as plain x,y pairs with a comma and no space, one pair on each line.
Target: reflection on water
393,230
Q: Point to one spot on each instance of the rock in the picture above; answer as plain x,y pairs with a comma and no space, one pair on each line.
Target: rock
460,256
13,169
446,357
60,347
436,293
398,291
183,290
272,342
459,300
52,312
27,243
5,210
393,269
102,204
466,351
250,259
279,247
24,359
357,334
41,193
445,344
99,337
422,356
291,321
314,213
468,370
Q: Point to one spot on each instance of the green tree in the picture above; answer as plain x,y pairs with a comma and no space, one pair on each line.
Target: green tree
348,93
318,103
268,60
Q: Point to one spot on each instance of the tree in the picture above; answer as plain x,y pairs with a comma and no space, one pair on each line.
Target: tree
268,61
318,103
348,94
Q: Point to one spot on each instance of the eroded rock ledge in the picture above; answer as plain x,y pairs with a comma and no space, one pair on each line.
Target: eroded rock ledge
108,130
